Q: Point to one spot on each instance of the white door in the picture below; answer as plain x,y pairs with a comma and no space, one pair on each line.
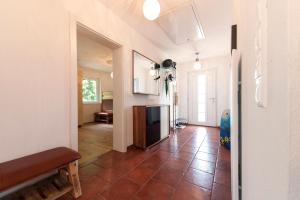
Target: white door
202,98
235,132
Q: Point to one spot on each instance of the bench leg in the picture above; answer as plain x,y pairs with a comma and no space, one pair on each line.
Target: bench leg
74,179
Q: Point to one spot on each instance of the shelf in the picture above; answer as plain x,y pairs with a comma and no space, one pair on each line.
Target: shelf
49,189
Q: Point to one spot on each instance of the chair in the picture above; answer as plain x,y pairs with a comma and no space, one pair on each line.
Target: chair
106,114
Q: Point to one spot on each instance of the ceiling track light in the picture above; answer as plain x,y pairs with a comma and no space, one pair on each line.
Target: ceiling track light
151,9
197,64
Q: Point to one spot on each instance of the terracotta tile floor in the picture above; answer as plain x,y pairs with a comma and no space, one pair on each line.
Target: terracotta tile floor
189,165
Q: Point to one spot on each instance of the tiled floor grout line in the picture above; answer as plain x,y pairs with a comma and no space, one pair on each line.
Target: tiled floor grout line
211,191
215,172
143,185
189,163
175,154
171,154
218,168
88,163
124,176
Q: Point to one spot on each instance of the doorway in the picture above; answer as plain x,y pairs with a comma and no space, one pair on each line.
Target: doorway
95,91
202,98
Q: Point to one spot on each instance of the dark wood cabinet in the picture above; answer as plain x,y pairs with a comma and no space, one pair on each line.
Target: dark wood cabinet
151,124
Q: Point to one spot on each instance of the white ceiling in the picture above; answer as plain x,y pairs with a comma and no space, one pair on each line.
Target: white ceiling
92,54
172,23
214,15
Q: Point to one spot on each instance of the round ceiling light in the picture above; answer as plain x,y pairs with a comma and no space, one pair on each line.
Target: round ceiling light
151,9
197,65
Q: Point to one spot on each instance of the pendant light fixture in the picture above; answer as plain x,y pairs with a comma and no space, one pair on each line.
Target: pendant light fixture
197,64
151,9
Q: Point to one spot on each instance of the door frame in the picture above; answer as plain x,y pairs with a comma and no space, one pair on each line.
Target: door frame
119,133
235,109
216,94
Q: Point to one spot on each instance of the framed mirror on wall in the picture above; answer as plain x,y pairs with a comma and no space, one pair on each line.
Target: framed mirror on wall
145,75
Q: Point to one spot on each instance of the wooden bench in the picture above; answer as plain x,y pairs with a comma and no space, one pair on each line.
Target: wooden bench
15,172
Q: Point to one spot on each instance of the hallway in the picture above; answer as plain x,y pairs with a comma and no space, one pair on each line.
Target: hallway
189,165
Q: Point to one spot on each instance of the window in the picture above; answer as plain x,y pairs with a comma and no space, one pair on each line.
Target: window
90,91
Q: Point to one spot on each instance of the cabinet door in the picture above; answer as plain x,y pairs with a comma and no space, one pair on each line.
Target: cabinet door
164,121
153,125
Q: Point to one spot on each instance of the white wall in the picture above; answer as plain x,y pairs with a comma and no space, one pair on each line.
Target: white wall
265,132
89,109
35,71
294,103
222,66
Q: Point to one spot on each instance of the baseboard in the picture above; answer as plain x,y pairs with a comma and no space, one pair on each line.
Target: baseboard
204,126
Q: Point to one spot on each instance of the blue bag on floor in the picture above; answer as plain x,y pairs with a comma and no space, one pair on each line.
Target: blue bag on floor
225,129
